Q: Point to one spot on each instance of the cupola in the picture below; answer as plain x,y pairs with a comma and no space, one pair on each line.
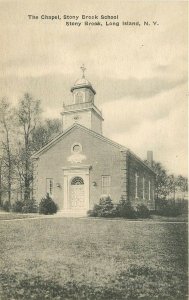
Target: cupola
82,109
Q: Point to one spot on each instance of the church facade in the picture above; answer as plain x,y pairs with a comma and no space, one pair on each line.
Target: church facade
80,164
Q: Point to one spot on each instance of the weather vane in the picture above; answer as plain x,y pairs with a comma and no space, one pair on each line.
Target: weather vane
83,70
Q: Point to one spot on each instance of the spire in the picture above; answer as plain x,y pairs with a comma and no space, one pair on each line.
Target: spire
83,70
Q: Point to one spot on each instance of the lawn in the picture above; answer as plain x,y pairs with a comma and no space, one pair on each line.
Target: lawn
65,258
10,216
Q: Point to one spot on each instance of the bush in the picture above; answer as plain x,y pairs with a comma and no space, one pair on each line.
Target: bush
30,207
95,211
167,208
125,210
6,206
105,208
17,206
142,211
47,206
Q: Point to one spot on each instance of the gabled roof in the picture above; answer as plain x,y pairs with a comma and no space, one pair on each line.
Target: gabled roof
70,129
91,132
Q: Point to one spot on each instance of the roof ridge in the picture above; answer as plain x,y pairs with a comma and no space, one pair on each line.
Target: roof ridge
102,136
98,135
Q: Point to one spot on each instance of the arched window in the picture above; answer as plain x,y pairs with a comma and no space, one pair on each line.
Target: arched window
77,181
78,98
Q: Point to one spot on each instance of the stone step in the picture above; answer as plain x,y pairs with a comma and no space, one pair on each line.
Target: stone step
71,214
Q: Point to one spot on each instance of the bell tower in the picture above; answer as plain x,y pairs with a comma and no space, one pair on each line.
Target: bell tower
82,109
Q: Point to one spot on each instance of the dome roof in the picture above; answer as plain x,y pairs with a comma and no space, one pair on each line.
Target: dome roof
82,81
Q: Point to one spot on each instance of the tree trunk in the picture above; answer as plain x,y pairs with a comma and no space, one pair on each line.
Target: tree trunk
0,183
9,164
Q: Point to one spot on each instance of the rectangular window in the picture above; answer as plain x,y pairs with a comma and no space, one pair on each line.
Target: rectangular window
149,192
106,183
49,186
136,185
143,188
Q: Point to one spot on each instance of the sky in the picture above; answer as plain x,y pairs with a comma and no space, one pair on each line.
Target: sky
138,72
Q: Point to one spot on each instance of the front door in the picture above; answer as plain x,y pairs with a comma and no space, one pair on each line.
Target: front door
76,189
77,193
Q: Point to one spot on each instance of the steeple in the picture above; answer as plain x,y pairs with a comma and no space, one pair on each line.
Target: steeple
82,89
82,109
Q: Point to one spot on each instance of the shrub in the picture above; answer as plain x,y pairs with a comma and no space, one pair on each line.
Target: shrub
142,211
30,207
17,206
95,211
167,208
105,208
6,206
47,206
125,210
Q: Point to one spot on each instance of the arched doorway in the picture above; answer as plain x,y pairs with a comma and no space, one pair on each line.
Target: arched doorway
77,193
76,189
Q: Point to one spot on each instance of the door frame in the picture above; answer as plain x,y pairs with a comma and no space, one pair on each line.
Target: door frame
69,173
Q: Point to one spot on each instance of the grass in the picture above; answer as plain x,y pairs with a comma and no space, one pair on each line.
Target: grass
93,259
180,218
12,216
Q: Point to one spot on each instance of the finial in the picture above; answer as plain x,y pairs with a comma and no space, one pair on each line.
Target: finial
83,70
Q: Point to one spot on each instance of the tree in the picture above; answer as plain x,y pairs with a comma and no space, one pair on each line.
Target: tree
182,183
22,133
45,132
171,185
161,183
28,114
168,185
6,164
1,174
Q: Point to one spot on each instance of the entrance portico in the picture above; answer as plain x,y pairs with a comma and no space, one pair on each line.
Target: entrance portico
76,189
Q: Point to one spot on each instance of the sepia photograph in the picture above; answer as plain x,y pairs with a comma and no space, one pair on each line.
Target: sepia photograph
94,150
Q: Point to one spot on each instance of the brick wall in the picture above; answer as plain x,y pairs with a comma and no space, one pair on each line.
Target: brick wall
104,159
137,167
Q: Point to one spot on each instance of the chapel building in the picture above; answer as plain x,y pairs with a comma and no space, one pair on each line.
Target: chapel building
80,164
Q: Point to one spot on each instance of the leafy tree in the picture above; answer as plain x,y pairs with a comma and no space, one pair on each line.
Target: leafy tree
45,132
168,184
172,185
182,183
161,184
